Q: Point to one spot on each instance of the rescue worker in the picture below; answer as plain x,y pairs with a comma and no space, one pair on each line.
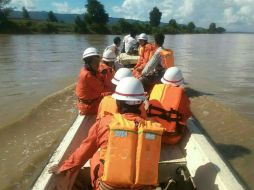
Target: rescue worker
125,141
108,104
130,44
115,46
170,106
156,66
90,86
145,53
107,69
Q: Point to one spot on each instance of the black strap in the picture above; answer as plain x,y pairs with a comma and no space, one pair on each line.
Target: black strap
167,115
164,114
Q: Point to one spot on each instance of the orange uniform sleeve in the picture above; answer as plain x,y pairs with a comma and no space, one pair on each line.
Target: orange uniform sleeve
84,152
96,84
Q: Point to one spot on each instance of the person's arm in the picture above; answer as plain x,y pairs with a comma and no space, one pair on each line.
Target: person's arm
152,63
84,152
95,84
108,74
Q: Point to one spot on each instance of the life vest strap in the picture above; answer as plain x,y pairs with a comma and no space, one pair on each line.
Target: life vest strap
87,102
166,115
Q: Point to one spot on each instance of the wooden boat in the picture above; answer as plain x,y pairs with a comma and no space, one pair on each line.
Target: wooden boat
193,164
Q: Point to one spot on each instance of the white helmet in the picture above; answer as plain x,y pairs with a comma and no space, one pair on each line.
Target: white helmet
131,90
91,51
142,36
109,55
120,74
173,76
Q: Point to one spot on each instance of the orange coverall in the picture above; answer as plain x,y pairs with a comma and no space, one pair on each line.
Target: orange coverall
145,54
89,91
107,73
97,138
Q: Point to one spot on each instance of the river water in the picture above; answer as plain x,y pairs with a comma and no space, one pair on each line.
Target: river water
218,69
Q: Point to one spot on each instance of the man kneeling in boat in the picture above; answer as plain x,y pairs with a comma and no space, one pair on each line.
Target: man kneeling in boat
90,86
129,145
169,105
146,51
108,103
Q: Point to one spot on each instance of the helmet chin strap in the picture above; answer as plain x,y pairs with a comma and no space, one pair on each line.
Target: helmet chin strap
90,68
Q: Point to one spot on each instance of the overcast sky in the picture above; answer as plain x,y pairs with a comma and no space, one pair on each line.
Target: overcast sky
234,15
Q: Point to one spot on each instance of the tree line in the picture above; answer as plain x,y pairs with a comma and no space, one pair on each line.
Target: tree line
95,21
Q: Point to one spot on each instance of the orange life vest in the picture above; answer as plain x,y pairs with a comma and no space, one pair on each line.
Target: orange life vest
171,107
108,107
167,58
145,53
132,154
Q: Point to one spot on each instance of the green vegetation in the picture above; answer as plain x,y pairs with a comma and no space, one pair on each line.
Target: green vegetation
52,17
25,13
155,17
95,21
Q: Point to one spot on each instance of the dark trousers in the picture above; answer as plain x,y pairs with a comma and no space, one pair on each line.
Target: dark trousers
150,80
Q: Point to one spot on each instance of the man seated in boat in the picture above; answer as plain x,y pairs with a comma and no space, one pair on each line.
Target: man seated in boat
129,145
108,103
130,44
115,46
90,86
169,105
146,51
156,66
107,69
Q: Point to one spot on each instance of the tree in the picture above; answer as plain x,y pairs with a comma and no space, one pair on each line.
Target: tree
52,17
80,26
95,13
220,30
212,28
191,27
172,23
4,10
25,13
155,17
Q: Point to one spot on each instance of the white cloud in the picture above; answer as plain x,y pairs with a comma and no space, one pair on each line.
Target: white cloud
29,4
66,8
226,13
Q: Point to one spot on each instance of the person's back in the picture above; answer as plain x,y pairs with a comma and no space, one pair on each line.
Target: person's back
108,103
127,135
130,43
170,106
115,46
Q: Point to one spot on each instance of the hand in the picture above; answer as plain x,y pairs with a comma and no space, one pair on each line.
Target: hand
139,69
106,93
54,169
